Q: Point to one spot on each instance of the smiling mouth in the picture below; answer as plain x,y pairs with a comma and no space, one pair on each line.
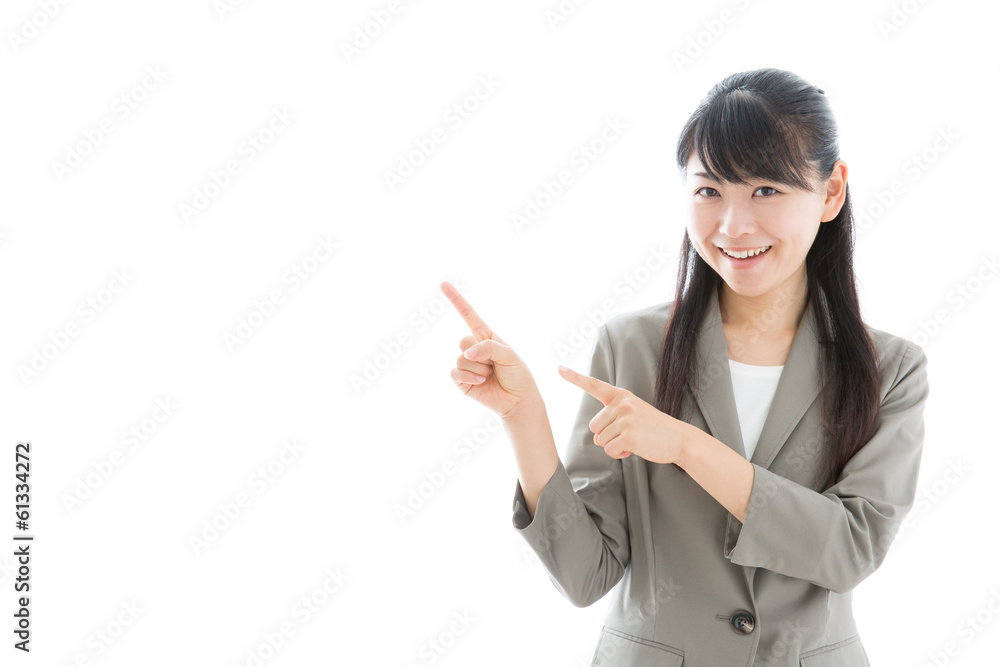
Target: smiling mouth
746,253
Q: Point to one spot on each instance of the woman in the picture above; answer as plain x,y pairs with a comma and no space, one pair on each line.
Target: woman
757,444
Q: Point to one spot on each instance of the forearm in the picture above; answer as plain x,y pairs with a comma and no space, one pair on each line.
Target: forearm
727,476
530,434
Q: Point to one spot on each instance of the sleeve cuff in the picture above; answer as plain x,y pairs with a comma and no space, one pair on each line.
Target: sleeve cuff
554,495
756,543
734,549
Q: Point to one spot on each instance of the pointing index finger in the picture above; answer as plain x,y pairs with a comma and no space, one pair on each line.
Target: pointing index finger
479,328
597,388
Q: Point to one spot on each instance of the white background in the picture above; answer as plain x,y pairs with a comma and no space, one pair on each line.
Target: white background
364,447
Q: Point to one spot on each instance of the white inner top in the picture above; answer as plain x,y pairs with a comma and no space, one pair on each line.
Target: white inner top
753,387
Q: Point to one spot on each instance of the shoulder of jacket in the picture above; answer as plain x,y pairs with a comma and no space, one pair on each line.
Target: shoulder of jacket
645,322
896,355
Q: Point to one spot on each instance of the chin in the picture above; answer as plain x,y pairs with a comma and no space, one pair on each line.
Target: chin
749,288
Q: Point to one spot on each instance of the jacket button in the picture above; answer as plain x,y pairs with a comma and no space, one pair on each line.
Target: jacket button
742,622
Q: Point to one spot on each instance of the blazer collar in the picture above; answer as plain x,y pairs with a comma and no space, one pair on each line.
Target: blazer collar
798,385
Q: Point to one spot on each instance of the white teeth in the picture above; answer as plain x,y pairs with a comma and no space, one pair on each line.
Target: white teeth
743,254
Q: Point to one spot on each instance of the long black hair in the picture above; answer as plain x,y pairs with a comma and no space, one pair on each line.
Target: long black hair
771,125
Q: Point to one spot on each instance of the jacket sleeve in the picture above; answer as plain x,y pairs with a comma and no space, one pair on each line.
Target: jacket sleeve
837,538
580,529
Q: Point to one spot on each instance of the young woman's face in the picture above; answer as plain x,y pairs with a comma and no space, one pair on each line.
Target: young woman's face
754,216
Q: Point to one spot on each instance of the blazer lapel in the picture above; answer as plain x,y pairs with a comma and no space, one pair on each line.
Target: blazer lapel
798,385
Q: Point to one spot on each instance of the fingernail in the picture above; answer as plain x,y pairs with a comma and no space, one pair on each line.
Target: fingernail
562,369
471,353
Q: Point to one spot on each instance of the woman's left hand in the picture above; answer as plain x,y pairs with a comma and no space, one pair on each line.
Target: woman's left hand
629,425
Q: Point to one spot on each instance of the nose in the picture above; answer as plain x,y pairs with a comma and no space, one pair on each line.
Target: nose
737,220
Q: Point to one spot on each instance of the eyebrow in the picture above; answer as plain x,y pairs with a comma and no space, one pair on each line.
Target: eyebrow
711,178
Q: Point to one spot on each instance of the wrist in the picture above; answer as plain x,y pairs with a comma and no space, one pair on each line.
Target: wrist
527,409
688,445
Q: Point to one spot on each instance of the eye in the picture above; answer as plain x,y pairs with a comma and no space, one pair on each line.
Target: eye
713,192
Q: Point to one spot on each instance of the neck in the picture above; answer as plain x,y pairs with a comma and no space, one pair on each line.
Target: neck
776,312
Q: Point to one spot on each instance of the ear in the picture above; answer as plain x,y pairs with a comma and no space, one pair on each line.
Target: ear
836,191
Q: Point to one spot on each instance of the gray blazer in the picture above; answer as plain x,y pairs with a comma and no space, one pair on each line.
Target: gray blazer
698,588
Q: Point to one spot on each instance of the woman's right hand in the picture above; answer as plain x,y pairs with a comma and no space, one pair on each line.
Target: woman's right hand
506,382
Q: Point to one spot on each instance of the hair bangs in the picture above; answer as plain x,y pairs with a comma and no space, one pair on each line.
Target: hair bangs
740,139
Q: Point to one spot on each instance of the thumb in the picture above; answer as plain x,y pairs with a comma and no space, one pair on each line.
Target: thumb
493,350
